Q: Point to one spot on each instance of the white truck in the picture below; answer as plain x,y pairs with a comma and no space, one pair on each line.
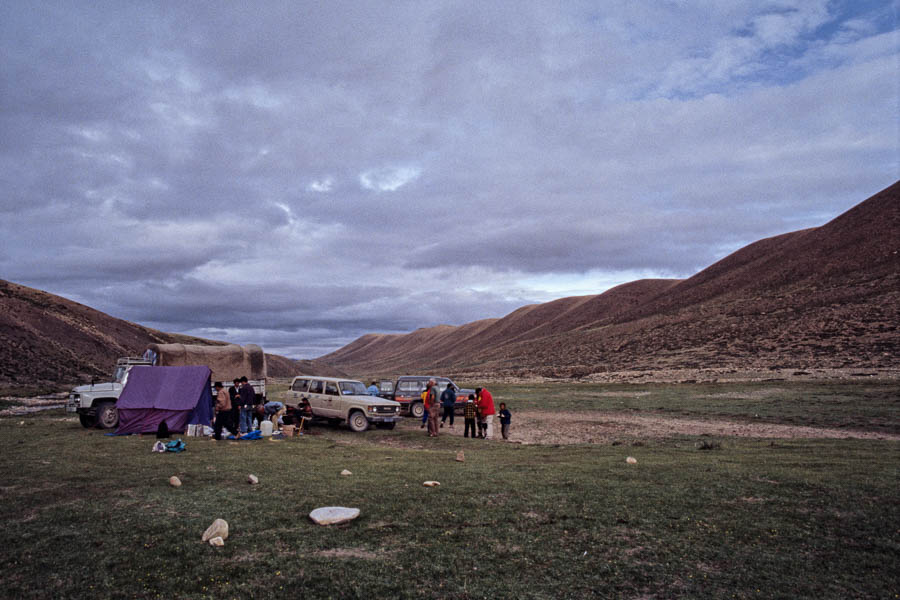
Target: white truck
95,404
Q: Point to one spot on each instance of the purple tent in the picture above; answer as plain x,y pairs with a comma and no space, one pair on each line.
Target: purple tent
180,396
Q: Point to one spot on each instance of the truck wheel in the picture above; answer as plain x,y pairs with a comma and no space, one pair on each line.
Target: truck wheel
87,421
107,416
417,410
358,421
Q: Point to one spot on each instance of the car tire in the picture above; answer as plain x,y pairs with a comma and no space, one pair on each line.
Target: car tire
107,416
386,425
87,421
417,410
357,421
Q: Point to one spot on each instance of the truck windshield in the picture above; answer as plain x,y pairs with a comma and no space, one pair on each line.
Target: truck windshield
119,375
354,388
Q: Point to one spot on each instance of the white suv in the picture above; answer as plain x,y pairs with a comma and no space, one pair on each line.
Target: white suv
345,400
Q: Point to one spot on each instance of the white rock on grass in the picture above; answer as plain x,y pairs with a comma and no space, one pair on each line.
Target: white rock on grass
333,515
346,472
219,528
432,483
460,456
174,481
216,541
631,460
252,479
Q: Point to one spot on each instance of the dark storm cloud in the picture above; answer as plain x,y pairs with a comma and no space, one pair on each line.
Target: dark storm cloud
298,174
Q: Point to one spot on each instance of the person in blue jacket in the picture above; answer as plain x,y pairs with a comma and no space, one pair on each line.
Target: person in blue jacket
448,404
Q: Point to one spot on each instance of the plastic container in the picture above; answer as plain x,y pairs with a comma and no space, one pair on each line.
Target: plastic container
265,428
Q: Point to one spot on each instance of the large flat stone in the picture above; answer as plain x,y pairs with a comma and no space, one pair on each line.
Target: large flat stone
333,515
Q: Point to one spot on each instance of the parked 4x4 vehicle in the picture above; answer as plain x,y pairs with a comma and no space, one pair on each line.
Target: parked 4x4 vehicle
408,392
95,404
338,400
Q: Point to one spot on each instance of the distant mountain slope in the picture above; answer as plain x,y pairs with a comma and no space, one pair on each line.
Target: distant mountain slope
46,339
822,297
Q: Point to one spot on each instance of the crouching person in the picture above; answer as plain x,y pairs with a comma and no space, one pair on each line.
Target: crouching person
273,410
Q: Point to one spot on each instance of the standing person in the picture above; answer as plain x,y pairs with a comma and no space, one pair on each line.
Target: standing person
434,408
235,396
505,418
425,403
448,404
223,412
372,389
247,398
486,403
470,416
479,419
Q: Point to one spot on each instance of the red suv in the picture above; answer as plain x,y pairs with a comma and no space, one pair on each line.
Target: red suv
408,392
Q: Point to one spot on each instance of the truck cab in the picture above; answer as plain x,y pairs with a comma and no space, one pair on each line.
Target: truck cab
95,404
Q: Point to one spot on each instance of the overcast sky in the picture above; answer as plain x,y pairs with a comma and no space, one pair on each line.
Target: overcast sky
297,174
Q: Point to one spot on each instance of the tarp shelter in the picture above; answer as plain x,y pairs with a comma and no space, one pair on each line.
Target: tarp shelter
180,396
226,362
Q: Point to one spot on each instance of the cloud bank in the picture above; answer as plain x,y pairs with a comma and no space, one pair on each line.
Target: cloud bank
298,174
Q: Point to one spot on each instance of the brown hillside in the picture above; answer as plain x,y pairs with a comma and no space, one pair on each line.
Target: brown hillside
49,340
826,297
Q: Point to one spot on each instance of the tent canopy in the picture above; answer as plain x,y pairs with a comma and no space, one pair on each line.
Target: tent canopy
180,396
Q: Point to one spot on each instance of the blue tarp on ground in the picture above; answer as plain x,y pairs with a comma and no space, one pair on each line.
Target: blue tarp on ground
180,396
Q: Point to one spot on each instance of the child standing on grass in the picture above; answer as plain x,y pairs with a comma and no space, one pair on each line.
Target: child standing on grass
505,418
470,416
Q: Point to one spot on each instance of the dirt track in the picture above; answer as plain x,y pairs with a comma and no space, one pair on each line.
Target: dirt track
25,406
538,427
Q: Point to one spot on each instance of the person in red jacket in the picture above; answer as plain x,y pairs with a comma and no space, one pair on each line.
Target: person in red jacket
486,404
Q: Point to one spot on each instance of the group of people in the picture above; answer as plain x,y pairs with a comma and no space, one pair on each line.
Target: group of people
239,410
478,413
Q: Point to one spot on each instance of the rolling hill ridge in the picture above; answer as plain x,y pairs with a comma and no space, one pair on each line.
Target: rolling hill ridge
48,340
824,297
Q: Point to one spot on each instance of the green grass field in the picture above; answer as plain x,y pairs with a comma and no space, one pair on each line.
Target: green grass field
87,515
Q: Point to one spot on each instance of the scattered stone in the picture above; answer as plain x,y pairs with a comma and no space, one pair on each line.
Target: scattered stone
333,515
219,528
346,472
216,541
705,445
432,483
174,481
460,456
252,479
631,460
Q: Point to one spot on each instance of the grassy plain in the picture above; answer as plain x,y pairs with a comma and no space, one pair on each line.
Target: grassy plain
87,515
